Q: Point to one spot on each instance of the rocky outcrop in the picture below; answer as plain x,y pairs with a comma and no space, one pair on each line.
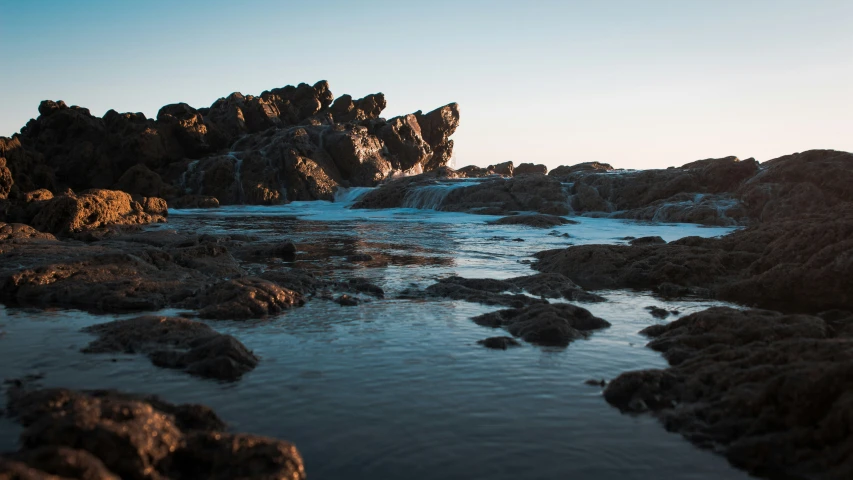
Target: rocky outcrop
499,343
286,144
699,192
509,292
501,196
173,342
797,264
545,324
96,209
815,181
11,232
536,221
565,173
771,392
530,169
244,298
108,434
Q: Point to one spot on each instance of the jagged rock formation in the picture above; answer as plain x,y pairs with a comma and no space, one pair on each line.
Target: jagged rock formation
290,143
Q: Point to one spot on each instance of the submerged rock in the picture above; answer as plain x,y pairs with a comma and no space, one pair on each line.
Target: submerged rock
508,292
244,298
173,342
537,221
499,343
108,434
769,391
545,324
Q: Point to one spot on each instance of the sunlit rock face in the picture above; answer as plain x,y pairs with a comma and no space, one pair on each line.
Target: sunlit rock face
289,143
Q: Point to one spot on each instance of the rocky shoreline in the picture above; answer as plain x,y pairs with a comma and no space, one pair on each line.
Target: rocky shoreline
765,388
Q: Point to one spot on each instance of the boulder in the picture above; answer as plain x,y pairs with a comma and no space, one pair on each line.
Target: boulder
536,221
499,343
530,169
505,169
96,209
108,434
545,324
174,342
402,137
436,128
243,298
346,110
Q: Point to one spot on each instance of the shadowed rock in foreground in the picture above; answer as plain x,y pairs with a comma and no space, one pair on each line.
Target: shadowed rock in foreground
108,434
772,392
179,343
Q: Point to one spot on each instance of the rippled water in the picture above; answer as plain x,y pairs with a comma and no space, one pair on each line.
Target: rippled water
398,388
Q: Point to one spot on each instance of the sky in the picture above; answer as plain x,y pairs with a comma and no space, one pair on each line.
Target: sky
637,84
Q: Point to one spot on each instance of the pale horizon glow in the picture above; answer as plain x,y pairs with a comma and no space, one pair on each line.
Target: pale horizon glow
635,84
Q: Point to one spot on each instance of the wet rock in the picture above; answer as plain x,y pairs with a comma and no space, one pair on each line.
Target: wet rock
530,169
94,209
361,285
347,301
537,221
766,390
108,434
174,342
244,298
595,383
536,193
508,292
360,257
647,241
295,279
545,324
499,343
142,271
63,462
657,312
285,250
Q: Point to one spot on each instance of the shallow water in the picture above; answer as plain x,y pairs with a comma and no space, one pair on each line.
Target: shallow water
398,388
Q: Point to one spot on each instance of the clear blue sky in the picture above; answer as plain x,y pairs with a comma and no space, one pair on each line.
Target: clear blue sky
638,84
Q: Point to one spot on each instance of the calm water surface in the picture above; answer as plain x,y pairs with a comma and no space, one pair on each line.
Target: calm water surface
398,388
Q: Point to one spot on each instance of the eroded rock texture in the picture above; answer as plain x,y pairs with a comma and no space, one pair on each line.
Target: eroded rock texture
174,342
108,434
290,143
771,392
